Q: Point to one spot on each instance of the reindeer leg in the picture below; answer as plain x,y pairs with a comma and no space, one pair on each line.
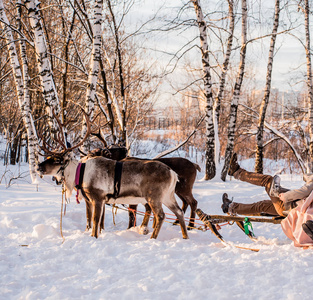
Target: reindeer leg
88,214
154,222
102,219
184,207
97,213
144,225
193,207
132,216
159,217
188,199
174,207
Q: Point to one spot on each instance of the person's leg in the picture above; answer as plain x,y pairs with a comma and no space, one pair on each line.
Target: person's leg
250,177
253,209
259,180
254,178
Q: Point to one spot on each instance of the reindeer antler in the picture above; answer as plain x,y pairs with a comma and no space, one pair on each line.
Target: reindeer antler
65,149
61,139
45,146
99,136
86,135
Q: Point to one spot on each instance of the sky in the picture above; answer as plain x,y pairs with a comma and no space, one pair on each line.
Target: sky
289,62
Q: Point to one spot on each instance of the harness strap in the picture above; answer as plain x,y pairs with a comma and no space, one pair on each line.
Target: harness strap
80,170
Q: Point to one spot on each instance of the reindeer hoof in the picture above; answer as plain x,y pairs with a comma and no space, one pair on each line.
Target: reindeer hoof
93,234
144,230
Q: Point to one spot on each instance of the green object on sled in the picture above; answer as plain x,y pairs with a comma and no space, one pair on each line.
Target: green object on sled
246,225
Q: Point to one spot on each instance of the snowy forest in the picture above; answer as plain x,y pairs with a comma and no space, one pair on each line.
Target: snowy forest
177,79
116,60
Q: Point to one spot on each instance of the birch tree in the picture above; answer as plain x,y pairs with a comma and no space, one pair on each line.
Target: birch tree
210,167
309,79
120,72
231,16
21,82
43,63
94,64
236,92
217,103
260,131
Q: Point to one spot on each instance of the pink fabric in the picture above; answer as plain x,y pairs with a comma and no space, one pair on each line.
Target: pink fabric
77,180
292,225
77,174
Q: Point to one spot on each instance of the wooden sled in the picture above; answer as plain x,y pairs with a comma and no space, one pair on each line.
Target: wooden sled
210,222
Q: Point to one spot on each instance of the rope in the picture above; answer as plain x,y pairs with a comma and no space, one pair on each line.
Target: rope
166,218
63,191
114,214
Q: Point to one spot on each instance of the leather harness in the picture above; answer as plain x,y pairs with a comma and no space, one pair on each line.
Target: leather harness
80,170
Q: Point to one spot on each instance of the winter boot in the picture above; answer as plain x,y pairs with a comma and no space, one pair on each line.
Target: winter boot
226,203
233,165
308,228
275,187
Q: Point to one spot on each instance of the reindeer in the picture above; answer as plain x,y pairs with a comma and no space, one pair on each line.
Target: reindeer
185,169
146,182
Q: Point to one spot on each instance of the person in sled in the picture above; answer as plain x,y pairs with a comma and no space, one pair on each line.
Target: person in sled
281,200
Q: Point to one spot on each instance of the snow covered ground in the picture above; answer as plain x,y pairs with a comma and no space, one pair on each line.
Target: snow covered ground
121,264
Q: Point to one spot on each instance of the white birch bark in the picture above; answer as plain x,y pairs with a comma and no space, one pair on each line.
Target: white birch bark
94,64
210,167
110,115
121,75
43,63
112,104
112,98
309,80
217,103
236,92
259,137
22,90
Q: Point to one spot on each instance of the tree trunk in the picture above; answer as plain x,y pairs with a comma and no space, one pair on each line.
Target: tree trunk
309,80
94,65
22,88
120,67
45,72
236,93
226,59
210,167
260,131
217,103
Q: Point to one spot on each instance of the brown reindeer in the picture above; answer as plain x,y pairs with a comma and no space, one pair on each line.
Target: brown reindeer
142,182
146,182
185,169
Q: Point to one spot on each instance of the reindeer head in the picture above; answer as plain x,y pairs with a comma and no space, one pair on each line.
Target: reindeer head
114,151
52,165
